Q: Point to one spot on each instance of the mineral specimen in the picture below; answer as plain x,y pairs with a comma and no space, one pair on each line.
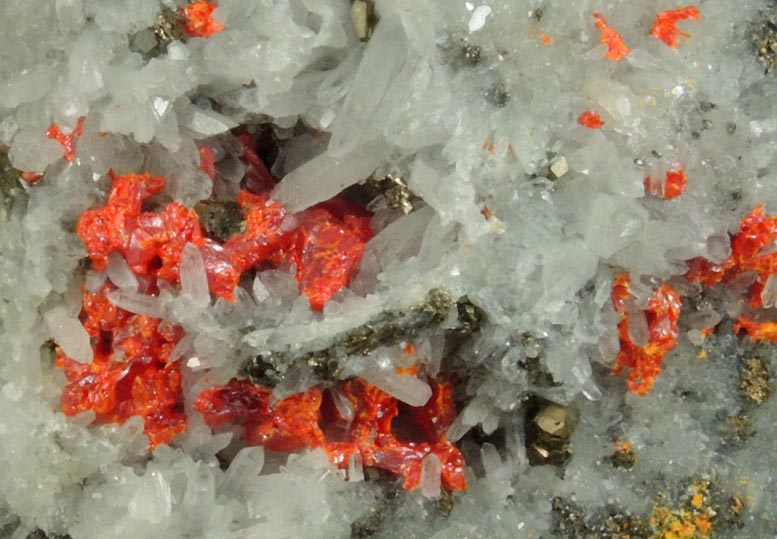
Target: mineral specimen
130,374
672,186
66,140
624,456
548,429
754,381
751,261
191,259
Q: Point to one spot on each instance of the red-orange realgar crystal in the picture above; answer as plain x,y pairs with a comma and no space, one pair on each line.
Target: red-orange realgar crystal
310,419
199,21
644,361
673,186
590,119
665,24
68,141
130,374
753,255
616,47
324,248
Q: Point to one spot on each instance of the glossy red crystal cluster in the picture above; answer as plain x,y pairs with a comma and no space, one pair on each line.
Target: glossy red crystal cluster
324,243
673,185
131,374
369,428
665,24
198,19
753,260
644,360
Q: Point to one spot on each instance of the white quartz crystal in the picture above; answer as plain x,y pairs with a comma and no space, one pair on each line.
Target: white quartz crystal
194,280
69,334
33,151
324,176
430,476
120,273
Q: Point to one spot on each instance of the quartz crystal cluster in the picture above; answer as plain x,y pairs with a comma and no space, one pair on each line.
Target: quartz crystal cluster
388,268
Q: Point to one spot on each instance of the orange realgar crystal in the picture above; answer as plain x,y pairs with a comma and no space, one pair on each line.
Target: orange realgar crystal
757,330
131,374
325,245
199,19
672,187
665,24
644,361
68,141
310,419
208,161
288,425
590,119
751,251
753,256
616,47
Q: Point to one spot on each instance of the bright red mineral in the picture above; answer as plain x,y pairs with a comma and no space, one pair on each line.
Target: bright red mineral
130,374
310,419
199,19
753,259
590,119
616,47
665,24
672,187
644,360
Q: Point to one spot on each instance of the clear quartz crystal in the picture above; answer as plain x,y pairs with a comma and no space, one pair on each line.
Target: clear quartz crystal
343,405
404,387
355,467
120,273
69,334
136,303
247,464
769,292
194,280
260,290
33,151
324,176
431,469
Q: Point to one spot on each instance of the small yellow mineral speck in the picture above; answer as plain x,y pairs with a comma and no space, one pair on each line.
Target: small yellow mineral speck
754,380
